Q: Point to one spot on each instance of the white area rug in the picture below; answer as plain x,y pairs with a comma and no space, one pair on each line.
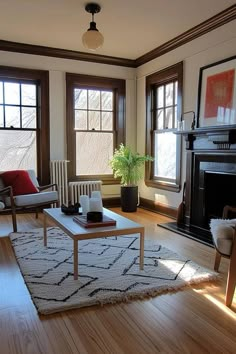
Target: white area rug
108,270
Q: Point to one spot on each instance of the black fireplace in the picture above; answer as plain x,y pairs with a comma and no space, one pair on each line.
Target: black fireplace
210,178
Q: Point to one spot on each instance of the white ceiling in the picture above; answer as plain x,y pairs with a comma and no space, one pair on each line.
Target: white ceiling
131,28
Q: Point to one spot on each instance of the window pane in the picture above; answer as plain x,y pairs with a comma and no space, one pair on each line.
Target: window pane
94,120
94,99
107,120
1,92
28,93
80,98
17,150
175,118
29,117
169,94
160,97
107,101
81,120
176,92
12,93
12,115
160,119
168,118
165,155
93,151
1,117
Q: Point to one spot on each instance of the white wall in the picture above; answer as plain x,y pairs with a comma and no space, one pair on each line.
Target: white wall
57,69
210,48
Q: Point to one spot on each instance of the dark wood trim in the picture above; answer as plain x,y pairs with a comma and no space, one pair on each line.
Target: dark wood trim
43,133
93,82
210,24
111,202
158,208
64,53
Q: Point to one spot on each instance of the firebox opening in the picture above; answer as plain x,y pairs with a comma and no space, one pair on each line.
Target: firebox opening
220,190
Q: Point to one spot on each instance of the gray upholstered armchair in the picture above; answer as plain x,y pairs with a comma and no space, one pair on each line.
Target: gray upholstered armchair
224,236
41,196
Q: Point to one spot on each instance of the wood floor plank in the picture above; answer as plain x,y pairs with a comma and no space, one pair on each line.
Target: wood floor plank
194,320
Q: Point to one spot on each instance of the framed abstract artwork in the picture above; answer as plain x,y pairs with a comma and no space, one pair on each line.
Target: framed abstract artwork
217,94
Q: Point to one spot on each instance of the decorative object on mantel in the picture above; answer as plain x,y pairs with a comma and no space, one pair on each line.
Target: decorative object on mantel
181,208
217,94
187,117
109,270
92,38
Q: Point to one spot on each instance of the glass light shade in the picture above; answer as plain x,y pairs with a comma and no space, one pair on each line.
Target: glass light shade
92,39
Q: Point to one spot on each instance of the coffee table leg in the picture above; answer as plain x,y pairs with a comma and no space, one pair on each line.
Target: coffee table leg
75,259
141,261
45,230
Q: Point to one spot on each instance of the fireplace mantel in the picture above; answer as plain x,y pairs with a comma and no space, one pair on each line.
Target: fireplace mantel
209,152
210,138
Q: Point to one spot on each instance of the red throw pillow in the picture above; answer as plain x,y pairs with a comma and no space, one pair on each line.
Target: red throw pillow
20,182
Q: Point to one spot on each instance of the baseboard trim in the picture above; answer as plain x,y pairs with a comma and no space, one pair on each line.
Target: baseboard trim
111,202
158,208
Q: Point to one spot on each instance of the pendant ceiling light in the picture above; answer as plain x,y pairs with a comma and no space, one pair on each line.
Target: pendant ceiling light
92,39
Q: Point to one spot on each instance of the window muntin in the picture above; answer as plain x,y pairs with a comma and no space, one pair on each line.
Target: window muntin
164,104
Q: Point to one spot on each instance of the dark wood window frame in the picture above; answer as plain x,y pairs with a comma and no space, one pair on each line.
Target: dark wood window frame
93,82
41,77
174,72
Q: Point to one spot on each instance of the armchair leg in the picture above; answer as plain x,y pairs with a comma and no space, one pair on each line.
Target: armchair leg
13,214
217,261
231,281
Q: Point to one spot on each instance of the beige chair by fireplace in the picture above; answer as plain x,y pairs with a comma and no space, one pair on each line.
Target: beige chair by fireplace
42,196
224,237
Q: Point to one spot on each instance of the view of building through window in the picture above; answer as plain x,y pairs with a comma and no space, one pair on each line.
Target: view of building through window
18,123
94,127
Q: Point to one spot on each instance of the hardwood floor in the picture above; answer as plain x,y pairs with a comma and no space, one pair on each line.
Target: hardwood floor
194,320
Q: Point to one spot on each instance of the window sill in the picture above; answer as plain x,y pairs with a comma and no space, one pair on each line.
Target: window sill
106,180
163,185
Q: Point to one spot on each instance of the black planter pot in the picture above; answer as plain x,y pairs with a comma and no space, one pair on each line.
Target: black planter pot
129,198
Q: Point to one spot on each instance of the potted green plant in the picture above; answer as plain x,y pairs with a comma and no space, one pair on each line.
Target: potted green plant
128,166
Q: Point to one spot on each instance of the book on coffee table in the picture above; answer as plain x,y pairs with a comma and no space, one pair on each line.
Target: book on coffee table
82,220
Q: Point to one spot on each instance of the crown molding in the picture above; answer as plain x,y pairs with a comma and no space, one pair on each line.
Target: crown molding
210,24
64,53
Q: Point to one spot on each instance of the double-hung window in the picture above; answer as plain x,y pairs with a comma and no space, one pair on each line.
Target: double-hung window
95,125
24,121
164,108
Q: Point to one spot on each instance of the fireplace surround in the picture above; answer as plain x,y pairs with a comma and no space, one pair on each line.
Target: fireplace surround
210,177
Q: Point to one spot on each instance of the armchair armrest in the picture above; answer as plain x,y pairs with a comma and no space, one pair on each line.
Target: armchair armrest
226,211
53,186
9,192
6,190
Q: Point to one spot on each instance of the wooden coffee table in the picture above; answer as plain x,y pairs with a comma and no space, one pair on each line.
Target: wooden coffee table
123,226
